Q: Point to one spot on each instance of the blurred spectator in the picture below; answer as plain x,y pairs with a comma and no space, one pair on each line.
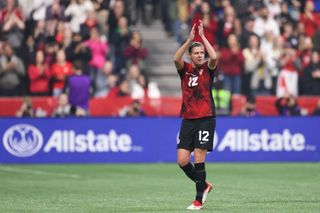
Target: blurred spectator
105,80
88,25
312,76
63,34
26,109
247,32
79,51
284,16
39,34
122,89
38,8
28,51
231,63
265,23
244,8
137,90
99,49
288,106
133,110
51,48
290,35
64,108
167,15
271,58
60,70
181,25
11,72
102,10
305,58
316,111
117,11
77,11
153,90
253,70
288,77
294,9
120,40
78,87
55,11
230,24
305,53
12,23
144,11
274,7
249,110
210,27
135,53
310,19
39,75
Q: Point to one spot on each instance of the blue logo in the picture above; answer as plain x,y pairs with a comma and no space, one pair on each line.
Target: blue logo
22,140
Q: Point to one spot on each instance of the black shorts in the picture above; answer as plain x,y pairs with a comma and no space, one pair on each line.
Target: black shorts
197,133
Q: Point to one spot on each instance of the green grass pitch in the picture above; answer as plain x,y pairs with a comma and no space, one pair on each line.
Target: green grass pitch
95,188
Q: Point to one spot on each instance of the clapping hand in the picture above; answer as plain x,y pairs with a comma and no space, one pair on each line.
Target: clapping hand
192,32
200,28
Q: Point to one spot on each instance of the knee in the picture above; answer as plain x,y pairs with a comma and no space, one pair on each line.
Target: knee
182,162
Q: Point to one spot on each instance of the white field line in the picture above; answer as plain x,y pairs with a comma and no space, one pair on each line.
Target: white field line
36,172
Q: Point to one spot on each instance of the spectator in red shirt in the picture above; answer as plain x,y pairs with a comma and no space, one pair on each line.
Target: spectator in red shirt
121,90
209,23
39,75
310,20
231,64
60,70
135,53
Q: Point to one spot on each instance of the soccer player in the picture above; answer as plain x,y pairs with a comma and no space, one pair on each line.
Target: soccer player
197,111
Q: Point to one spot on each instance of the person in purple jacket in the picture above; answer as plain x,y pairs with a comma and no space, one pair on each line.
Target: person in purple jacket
78,87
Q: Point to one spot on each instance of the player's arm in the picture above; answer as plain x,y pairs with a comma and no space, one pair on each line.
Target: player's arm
179,53
212,62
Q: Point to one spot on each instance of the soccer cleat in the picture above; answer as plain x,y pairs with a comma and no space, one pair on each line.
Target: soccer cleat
196,205
206,192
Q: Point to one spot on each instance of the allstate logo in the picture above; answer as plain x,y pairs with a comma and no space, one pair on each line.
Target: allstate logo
22,140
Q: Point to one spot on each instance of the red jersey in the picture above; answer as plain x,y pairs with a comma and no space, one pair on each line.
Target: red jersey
196,85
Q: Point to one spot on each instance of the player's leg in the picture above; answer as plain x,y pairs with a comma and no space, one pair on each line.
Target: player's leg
203,143
200,172
185,146
200,178
184,163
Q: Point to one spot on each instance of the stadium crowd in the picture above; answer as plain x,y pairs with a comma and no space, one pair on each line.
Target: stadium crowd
93,48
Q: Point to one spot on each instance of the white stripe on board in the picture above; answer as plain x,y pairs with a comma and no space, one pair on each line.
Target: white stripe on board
36,172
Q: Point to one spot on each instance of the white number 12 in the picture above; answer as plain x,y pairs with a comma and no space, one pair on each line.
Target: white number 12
193,81
203,135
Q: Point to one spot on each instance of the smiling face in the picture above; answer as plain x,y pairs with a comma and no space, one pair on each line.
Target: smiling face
196,54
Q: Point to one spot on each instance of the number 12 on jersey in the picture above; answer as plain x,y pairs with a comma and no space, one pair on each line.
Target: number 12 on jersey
193,81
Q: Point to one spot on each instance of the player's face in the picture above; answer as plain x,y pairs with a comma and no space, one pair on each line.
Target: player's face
197,55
